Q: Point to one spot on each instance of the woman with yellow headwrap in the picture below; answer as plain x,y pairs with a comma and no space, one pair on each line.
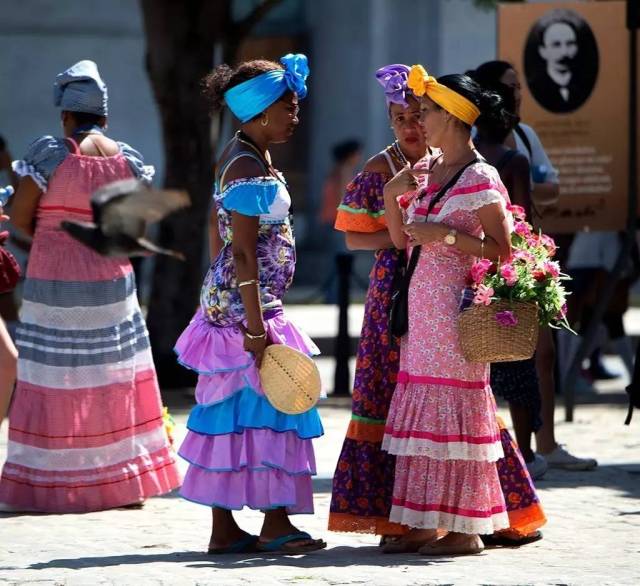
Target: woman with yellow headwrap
442,422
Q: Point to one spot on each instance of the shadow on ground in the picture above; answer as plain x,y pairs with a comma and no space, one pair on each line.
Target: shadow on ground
625,478
341,556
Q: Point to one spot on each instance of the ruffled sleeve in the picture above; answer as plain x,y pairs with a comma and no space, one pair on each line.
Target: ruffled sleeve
43,157
250,197
362,207
141,171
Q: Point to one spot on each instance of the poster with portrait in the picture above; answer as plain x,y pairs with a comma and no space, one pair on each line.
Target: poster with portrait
573,62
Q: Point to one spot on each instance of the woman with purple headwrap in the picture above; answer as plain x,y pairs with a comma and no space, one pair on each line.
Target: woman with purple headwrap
363,480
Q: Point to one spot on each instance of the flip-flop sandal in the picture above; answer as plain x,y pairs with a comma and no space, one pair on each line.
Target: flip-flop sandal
277,545
497,540
246,544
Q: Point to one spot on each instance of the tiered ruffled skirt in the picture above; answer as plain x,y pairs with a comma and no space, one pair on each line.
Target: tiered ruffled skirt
241,450
447,442
85,426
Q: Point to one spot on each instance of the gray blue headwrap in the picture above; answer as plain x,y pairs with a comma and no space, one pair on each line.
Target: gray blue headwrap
81,89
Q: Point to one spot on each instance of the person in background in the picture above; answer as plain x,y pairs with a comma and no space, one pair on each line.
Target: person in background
347,156
8,351
544,192
7,174
86,431
8,306
516,382
592,258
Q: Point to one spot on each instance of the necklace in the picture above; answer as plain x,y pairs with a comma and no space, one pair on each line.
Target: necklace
244,139
399,154
454,167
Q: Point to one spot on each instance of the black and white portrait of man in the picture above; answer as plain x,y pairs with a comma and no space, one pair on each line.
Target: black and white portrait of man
561,61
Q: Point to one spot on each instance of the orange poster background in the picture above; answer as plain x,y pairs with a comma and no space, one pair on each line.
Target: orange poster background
589,146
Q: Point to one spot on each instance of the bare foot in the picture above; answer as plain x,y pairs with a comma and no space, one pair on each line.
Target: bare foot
277,524
411,542
224,530
454,544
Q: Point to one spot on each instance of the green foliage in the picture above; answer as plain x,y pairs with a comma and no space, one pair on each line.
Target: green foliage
492,4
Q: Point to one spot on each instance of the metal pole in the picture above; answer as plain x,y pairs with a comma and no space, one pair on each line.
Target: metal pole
632,211
342,352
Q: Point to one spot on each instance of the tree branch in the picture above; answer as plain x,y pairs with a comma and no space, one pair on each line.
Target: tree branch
491,4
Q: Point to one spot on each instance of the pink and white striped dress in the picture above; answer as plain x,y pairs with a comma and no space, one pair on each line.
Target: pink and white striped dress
85,427
442,421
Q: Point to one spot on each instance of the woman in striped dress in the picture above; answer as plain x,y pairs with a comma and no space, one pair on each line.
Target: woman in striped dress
85,427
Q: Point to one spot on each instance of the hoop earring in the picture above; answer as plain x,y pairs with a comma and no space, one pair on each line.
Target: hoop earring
265,120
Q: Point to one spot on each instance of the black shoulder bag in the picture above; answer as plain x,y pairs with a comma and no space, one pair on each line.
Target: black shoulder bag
399,310
525,139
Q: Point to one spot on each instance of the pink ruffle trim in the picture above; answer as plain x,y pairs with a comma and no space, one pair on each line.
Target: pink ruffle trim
443,422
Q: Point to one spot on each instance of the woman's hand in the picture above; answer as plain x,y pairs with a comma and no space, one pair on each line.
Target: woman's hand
3,217
403,181
255,345
424,233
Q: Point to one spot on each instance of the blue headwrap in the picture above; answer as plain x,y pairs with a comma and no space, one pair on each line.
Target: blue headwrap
81,89
249,98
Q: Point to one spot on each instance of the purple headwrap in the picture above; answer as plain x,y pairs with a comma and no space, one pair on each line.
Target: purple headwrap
393,78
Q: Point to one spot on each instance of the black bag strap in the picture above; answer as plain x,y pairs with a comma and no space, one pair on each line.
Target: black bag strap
505,159
525,139
415,253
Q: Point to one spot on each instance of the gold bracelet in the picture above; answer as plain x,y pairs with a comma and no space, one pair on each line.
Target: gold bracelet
255,336
249,282
482,248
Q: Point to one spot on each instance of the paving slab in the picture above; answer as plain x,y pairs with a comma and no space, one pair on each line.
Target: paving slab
593,535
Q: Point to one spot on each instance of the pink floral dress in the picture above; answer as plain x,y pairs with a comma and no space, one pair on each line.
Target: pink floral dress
442,421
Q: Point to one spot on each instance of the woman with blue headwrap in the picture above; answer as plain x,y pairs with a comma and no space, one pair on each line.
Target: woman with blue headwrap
241,450
85,428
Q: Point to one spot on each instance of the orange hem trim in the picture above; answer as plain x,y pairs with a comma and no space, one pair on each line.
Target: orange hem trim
525,521
346,222
347,523
365,432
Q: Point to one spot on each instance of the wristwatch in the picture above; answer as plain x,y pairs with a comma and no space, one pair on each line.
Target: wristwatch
451,238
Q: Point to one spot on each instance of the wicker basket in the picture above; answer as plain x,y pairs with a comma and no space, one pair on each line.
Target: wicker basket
484,338
290,379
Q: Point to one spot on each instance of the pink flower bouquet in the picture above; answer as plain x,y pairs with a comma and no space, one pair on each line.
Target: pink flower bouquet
530,275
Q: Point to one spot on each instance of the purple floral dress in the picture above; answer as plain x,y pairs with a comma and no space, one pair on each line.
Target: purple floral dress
276,252
363,480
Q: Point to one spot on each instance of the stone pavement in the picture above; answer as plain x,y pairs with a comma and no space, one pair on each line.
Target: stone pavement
593,535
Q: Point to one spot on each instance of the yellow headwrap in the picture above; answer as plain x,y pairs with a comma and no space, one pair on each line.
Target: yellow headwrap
420,82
